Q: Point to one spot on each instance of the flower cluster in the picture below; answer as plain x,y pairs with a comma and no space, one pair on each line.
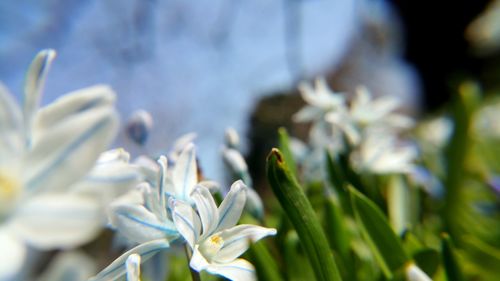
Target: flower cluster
367,129
58,183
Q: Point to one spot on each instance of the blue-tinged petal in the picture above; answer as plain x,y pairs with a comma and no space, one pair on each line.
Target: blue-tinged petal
133,266
109,180
72,104
254,204
207,209
69,265
186,221
58,221
232,206
185,174
162,183
179,145
235,161
33,86
239,269
12,255
117,268
236,240
140,225
11,140
66,152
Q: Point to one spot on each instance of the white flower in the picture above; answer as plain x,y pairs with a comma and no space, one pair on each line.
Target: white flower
212,235
320,101
368,114
383,154
45,153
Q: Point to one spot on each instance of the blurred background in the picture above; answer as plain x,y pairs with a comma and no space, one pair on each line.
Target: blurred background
202,66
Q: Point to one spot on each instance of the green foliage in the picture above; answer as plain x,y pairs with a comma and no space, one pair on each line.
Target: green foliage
302,216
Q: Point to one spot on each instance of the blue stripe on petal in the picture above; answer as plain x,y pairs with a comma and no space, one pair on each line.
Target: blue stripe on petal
36,180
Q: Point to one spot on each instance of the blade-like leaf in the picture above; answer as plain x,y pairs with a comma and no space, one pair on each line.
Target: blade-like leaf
264,262
300,212
385,245
451,267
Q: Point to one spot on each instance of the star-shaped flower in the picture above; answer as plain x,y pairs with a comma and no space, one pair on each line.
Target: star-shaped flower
212,233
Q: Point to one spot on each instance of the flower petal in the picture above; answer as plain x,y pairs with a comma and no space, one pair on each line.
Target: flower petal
237,240
35,81
69,263
58,221
186,221
117,268
13,255
72,104
108,180
207,209
140,225
11,140
66,152
133,266
232,206
239,269
185,174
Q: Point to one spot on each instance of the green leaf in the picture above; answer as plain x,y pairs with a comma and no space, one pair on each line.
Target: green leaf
338,181
284,144
264,263
452,269
336,228
427,260
300,212
385,245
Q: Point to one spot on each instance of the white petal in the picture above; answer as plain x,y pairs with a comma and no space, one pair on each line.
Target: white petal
11,140
207,209
133,265
35,81
58,221
140,225
198,261
180,144
65,153
72,104
239,269
231,137
307,114
186,221
70,263
414,273
113,155
237,239
231,207
12,256
254,204
117,268
109,180
185,174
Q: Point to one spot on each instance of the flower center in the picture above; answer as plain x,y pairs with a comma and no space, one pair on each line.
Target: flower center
9,189
211,246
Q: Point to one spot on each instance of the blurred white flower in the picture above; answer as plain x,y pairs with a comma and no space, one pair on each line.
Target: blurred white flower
320,101
366,114
384,154
45,154
212,233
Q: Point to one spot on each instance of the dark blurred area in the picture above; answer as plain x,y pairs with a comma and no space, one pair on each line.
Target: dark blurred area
436,46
